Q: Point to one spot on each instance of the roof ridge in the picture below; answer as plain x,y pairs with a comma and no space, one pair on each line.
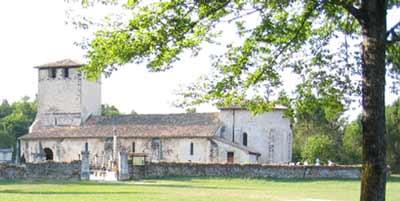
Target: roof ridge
68,62
153,114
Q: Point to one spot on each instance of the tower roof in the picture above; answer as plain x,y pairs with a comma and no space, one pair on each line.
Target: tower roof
62,63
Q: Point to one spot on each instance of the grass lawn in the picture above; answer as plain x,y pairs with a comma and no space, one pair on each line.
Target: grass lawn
191,189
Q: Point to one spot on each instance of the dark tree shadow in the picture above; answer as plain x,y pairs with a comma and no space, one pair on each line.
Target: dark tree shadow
68,193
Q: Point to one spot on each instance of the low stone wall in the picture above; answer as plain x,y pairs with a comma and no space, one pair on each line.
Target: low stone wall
71,171
156,170
45,170
9,172
53,170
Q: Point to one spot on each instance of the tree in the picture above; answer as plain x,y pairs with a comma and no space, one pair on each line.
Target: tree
353,138
6,139
318,147
393,135
316,118
289,33
16,121
352,143
109,110
191,110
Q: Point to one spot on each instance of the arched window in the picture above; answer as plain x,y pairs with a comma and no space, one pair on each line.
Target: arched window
191,148
133,147
244,139
48,153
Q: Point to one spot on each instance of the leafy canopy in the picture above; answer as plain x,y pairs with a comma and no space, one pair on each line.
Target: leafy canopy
318,39
15,120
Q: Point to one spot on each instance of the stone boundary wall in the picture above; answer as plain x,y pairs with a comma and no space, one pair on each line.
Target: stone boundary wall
10,171
71,171
163,169
45,170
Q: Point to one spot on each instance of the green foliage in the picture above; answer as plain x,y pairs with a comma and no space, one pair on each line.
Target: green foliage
288,34
5,109
316,116
109,110
318,146
352,140
393,135
191,110
352,143
15,120
7,140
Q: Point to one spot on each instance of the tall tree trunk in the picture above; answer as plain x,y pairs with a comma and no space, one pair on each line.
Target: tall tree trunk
373,184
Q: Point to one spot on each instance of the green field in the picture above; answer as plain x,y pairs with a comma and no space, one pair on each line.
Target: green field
196,189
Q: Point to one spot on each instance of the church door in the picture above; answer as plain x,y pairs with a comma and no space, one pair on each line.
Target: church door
230,157
49,154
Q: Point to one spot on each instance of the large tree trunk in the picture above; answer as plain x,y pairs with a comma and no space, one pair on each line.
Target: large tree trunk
373,185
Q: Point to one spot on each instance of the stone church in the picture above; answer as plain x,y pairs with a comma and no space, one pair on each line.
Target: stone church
69,119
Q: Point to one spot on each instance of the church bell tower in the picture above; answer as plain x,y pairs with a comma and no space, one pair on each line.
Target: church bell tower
65,96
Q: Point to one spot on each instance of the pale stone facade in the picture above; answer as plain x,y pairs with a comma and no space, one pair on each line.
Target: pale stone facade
268,133
67,98
68,120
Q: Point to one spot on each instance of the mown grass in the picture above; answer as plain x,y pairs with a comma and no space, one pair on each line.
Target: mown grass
196,189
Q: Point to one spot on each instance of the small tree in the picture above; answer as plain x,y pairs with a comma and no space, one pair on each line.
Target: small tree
352,143
393,135
109,110
318,146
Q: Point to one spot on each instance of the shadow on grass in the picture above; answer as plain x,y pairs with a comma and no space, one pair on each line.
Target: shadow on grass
260,179
193,187
394,178
145,184
67,193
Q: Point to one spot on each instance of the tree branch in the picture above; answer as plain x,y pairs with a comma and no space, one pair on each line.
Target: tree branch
392,36
355,12
283,48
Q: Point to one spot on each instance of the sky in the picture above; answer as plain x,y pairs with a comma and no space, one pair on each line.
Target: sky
34,33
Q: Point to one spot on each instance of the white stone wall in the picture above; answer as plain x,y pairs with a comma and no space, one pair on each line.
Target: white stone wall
91,98
69,149
59,95
64,150
67,101
173,149
268,133
239,155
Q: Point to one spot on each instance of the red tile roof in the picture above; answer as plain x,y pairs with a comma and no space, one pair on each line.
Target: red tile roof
234,144
140,126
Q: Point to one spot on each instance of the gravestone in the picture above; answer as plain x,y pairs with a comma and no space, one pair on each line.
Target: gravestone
85,164
123,170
